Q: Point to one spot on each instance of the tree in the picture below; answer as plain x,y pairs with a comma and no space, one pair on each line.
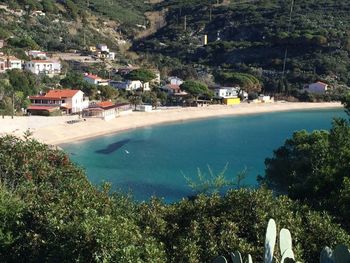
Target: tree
244,81
135,99
143,75
195,88
314,168
108,92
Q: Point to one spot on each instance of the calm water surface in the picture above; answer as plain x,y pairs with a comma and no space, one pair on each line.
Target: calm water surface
153,160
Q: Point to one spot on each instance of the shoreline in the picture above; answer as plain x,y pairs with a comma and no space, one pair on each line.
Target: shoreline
55,130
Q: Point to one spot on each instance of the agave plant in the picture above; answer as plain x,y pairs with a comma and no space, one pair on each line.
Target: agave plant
341,253
285,245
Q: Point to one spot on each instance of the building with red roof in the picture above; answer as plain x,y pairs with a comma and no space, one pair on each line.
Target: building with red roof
95,80
105,110
68,101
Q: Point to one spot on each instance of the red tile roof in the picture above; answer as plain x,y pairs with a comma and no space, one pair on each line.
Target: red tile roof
322,83
105,104
48,108
57,94
91,76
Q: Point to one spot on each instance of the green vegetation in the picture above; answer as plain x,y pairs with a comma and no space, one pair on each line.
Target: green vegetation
314,168
195,89
252,37
49,211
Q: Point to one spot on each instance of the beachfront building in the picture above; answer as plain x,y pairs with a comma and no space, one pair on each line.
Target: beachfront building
317,87
227,95
105,110
46,67
95,80
67,101
130,85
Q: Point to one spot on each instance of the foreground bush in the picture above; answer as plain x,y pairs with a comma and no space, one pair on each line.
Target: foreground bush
49,212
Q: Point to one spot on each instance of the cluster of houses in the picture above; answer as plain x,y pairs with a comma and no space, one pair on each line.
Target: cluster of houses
74,102
39,63
102,51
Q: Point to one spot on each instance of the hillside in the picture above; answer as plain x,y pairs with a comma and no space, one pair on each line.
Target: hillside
65,25
256,34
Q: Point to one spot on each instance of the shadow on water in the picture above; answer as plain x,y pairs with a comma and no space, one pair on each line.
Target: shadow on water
113,147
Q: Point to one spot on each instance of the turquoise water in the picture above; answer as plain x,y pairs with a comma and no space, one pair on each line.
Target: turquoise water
153,160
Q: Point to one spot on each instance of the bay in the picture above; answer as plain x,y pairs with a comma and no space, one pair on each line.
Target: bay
154,161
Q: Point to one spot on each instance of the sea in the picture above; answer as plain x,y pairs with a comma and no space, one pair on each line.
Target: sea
162,161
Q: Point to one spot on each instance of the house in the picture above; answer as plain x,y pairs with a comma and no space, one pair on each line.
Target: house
103,48
226,92
171,89
111,55
95,80
13,63
105,110
174,90
228,95
265,99
46,67
68,101
37,54
317,87
92,48
130,85
175,81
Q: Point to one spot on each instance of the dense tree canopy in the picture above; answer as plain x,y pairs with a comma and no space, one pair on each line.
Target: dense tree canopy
314,168
195,88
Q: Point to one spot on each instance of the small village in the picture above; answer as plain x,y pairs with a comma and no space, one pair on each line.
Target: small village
62,101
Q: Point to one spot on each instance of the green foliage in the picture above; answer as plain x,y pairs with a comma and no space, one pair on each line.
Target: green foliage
143,75
214,183
313,167
54,214
201,229
108,92
195,88
245,81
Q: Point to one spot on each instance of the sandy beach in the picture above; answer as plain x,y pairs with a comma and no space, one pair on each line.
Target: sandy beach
56,130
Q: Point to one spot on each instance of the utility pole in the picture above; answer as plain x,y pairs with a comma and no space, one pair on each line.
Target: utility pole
185,23
288,30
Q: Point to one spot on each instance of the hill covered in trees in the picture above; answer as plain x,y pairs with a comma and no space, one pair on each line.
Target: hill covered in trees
255,36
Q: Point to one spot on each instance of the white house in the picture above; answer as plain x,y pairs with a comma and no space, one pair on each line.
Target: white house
130,85
47,67
111,55
13,63
226,92
317,87
103,48
96,80
175,81
69,101
37,54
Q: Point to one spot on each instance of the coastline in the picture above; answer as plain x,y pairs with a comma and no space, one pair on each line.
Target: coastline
55,130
